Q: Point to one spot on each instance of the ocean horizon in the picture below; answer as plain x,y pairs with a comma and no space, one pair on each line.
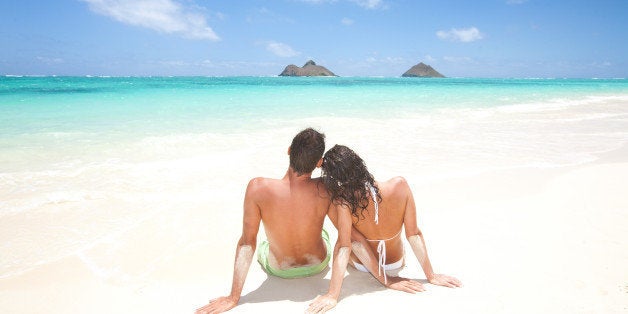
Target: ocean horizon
338,76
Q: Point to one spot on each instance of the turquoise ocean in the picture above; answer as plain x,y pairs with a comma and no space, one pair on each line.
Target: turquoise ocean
43,118
95,161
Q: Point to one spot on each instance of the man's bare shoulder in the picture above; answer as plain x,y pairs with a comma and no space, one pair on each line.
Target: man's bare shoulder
320,187
259,184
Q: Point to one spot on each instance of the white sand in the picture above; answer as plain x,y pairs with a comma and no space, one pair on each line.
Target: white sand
529,240
154,230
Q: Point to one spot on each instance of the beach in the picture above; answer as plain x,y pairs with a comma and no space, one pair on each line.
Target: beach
125,195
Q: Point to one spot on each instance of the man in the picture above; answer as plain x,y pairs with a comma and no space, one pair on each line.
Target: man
292,210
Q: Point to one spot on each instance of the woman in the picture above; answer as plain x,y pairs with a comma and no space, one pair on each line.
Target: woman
379,210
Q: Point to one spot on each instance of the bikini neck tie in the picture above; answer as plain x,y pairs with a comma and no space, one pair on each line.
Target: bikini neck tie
381,246
374,196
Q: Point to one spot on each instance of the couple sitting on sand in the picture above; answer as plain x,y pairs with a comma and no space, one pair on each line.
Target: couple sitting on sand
369,216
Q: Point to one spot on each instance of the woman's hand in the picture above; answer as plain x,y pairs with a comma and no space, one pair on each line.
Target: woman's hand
405,284
446,281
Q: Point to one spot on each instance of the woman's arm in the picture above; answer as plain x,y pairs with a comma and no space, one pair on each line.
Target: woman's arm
367,257
417,242
361,248
342,252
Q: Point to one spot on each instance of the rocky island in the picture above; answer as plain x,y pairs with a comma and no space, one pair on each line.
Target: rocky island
422,70
309,69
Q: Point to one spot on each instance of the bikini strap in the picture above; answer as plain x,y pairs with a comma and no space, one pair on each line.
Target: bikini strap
381,250
381,246
396,235
374,196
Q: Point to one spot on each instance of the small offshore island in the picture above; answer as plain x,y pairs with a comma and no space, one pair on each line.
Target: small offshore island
309,69
422,70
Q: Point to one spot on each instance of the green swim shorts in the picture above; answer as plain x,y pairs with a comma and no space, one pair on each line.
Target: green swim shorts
263,250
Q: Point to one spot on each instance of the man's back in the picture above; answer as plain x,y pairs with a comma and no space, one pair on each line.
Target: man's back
292,210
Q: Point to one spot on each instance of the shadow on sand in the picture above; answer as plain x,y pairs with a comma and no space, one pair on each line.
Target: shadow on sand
306,289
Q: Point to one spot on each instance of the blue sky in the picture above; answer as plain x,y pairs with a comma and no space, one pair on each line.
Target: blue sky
497,38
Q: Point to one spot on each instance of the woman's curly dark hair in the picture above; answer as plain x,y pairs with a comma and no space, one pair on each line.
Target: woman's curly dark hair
347,179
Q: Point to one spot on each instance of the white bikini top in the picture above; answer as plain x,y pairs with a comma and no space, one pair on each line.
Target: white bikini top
381,246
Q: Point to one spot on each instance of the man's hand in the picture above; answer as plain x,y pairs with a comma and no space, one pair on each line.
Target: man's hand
218,305
446,281
405,284
321,304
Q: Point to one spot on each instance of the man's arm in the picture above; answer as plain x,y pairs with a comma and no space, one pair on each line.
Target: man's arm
415,238
244,252
342,253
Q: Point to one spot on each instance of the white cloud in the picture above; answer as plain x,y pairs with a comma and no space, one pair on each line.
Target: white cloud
173,63
346,21
369,4
388,61
317,1
464,35
207,63
48,60
265,15
601,64
166,16
281,49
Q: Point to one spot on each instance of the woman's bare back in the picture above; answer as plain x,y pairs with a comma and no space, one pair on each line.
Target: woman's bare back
391,212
